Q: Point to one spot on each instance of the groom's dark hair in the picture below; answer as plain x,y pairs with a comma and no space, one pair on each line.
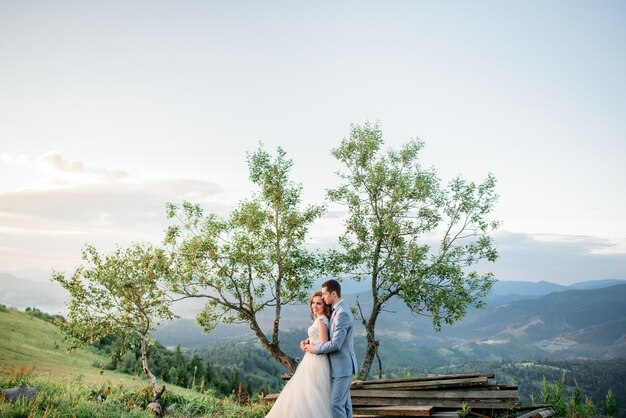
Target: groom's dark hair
331,286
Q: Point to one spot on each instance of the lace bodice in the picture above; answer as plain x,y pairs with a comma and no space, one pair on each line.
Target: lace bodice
314,332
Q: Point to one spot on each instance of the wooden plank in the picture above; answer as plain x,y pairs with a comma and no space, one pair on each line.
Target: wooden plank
426,384
438,403
270,397
364,416
445,414
394,411
424,378
479,405
436,394
538,413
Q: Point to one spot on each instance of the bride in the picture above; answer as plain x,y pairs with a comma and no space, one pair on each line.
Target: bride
307,393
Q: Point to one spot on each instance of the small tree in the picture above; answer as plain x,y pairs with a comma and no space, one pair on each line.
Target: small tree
252,261
610,404
396,208
117,294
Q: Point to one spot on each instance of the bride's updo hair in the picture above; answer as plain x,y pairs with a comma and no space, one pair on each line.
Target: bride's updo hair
326,307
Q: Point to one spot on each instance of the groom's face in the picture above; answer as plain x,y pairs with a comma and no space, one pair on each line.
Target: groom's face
329,298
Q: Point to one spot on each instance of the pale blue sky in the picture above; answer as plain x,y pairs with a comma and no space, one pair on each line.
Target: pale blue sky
110,109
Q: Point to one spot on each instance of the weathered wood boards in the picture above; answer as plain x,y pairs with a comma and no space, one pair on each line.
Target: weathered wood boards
394,411
487,399
440,382
475,391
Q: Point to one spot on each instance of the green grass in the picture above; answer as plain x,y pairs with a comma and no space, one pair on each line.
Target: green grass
74,398
33,353
30,342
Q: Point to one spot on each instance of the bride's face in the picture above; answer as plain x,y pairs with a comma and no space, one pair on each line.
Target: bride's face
317,306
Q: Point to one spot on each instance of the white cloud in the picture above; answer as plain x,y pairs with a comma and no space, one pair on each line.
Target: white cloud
122,204
51,169
45,228
61,163
15,159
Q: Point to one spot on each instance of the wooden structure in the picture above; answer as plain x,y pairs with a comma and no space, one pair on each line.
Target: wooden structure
437,396
474,392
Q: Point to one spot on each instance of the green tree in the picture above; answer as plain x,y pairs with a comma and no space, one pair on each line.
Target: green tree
396,209
252,261
117,294
610,404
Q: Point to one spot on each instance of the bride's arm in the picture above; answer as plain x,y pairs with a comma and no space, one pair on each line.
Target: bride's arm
323,331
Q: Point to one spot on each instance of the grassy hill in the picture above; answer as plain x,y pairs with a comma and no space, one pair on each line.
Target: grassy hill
31,343
33,353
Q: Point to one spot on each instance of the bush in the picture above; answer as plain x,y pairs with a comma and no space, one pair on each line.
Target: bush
36,313
610,404
578,406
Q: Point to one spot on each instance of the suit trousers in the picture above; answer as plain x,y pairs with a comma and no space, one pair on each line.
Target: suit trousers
340,401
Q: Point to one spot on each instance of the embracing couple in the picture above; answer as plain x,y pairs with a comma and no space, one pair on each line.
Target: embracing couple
320,387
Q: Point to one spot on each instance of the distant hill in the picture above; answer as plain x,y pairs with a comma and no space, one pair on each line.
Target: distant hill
508,291
21,293
597,284
575,323
505,291
506,287
585,323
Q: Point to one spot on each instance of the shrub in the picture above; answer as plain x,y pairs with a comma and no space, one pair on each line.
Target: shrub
610,404
575,407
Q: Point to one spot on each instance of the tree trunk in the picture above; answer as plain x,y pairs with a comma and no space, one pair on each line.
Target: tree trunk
372,345
273,348
370,326
144,365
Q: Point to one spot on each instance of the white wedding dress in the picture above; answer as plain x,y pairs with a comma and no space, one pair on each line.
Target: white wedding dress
307,393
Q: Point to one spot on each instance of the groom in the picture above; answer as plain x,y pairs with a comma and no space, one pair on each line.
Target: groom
340,350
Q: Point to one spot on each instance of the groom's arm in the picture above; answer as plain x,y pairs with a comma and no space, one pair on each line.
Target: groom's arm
339,335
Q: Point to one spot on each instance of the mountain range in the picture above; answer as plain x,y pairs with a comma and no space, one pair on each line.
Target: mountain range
521,320
586,320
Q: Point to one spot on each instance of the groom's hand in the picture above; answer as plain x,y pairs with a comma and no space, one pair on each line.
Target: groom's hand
309,349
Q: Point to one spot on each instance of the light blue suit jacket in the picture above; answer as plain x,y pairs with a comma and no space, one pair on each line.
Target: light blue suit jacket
340,346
